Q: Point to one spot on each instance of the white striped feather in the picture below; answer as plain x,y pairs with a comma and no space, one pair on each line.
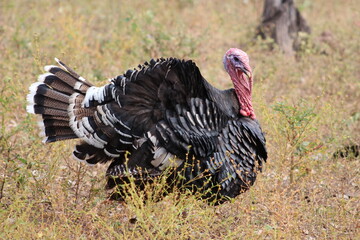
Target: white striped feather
162,158
94,94
78,85
104,116
108,119
72,122
88,133
111,154
87,156
30,97
42,77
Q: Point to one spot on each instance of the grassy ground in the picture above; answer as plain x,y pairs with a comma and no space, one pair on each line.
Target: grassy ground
309,107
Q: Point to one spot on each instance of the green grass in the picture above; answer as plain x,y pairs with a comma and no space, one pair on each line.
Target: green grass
309,107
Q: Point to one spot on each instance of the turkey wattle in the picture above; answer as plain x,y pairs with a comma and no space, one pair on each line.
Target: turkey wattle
165,114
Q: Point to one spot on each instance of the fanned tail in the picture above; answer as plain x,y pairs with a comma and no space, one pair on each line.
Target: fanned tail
56,96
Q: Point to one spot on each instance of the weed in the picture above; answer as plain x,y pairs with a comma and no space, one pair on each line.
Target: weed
296,123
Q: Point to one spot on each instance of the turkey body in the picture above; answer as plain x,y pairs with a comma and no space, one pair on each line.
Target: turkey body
162,115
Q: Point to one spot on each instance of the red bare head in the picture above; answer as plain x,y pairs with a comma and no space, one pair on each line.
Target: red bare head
236,63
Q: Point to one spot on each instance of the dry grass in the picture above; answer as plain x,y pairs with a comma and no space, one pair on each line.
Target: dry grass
308,106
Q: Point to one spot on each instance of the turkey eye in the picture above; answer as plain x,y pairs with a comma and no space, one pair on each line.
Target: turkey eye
236,59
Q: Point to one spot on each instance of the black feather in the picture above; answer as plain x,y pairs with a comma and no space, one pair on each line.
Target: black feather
58,84
46,91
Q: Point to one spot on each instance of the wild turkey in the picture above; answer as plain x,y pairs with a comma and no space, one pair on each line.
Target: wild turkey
164,114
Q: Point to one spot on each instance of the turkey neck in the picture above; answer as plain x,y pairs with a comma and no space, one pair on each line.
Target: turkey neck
243,89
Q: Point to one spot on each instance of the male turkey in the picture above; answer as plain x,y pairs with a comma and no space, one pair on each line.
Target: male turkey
163,114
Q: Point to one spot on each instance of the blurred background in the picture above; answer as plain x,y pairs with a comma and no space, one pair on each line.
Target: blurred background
307,100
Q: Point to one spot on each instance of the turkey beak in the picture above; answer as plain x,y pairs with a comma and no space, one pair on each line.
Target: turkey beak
247,73
244,70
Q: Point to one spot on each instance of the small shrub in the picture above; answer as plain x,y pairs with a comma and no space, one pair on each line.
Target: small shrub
295,126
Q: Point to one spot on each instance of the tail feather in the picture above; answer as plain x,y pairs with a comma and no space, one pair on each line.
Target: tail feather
52,96
41,89
60,118
54,82
38,109
55,123
69,76
69,105
73,73
61,77
64,131
50,102
51,139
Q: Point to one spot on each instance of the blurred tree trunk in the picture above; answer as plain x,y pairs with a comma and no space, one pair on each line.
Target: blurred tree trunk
282,21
